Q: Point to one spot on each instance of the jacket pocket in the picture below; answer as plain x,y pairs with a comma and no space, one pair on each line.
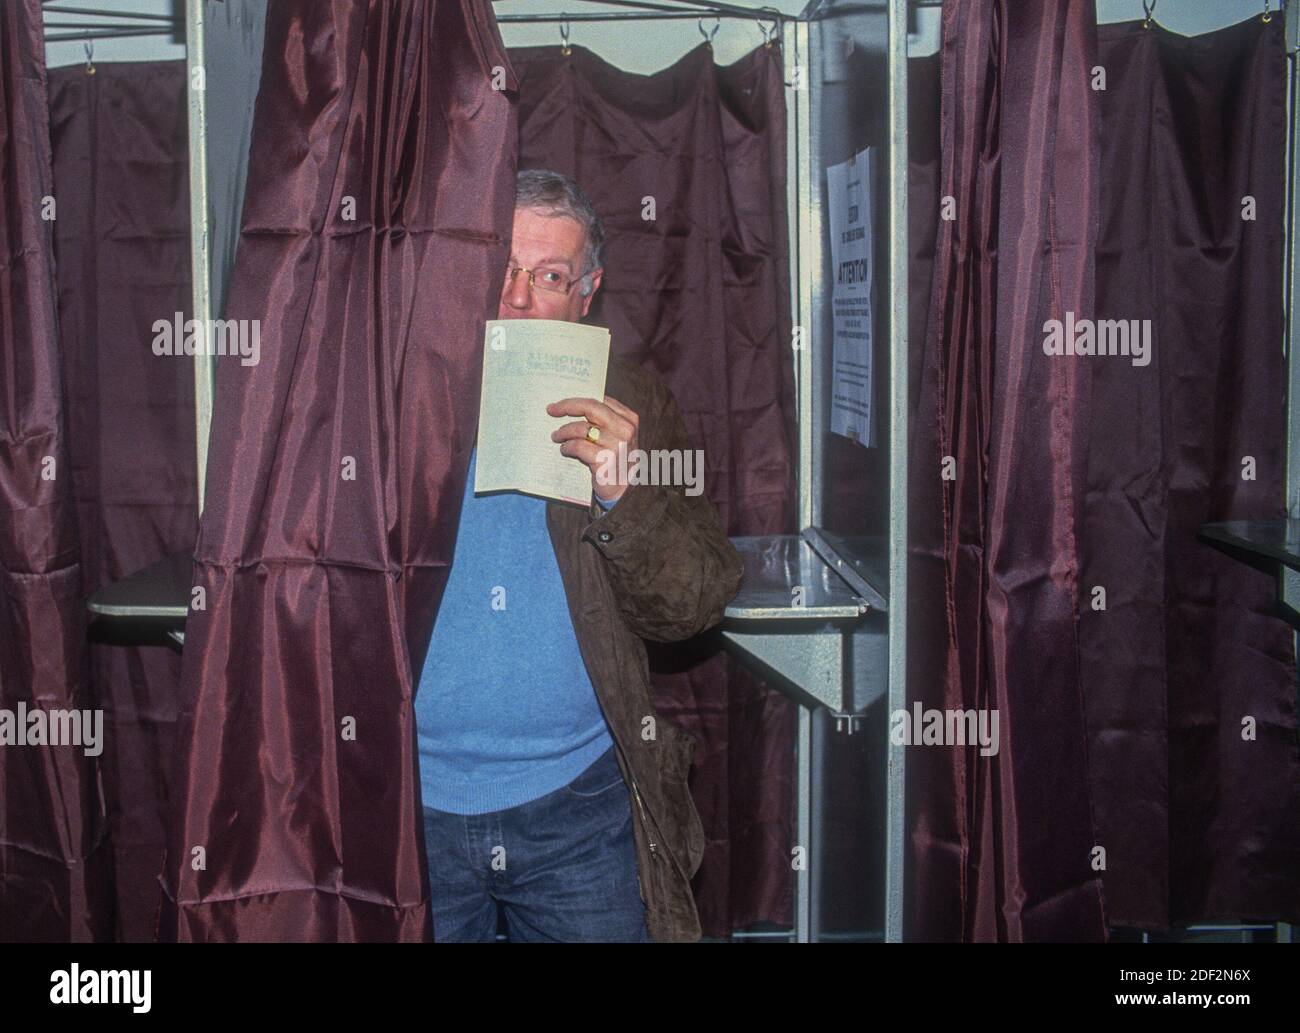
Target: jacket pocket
653,881
679,749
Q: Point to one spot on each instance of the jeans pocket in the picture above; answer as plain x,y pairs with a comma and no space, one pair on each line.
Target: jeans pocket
602,776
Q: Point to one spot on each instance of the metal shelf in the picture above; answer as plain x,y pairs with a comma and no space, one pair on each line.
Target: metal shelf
804,628
1274,541
159,591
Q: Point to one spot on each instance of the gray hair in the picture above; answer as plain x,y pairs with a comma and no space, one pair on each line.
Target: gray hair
555,194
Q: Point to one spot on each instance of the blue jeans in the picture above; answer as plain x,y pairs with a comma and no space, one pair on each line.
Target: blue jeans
562,867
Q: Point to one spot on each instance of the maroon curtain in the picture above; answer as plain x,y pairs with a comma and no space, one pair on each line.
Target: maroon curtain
122,241
700,293
380,195
55,869
1200,822
922,210
1000,845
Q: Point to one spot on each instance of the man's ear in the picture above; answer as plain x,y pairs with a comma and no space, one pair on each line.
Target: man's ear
595,286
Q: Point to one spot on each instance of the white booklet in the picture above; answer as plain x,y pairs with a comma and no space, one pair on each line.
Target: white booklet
527,364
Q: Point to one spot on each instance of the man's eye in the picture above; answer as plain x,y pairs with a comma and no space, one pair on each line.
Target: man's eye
550,276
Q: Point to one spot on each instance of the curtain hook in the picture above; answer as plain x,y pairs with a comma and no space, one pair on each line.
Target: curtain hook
1148,9
89,46
564,37
1268,15
769,37
708,38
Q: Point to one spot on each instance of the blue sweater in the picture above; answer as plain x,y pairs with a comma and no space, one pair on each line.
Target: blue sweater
505,709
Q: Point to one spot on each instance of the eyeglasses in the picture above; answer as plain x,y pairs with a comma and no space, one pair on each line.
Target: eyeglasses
548,280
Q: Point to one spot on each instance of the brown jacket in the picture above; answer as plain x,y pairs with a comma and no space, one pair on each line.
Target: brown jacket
656,566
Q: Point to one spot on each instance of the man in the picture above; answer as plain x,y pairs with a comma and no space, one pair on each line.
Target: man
550,785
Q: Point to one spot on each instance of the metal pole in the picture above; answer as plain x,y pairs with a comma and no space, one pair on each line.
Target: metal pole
199,258
53,35
802,190
895,824
618,16
129,15
805,248
803,825
1291,281
642,10
1291,272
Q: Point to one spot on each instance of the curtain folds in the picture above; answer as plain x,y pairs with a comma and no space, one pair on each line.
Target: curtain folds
1000,845
688,170
55,868
271,773
122,241
379,200
1198,822
1200,813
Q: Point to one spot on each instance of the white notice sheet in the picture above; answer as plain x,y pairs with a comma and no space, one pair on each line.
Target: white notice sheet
850,196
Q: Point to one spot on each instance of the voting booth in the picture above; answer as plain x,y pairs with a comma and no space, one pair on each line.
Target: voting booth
935,516
814,617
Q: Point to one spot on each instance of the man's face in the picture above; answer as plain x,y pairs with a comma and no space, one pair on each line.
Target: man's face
546,244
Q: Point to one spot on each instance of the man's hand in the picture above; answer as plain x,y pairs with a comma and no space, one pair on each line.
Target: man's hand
617,424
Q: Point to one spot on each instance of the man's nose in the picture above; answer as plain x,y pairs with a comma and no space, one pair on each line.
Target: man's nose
516,293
